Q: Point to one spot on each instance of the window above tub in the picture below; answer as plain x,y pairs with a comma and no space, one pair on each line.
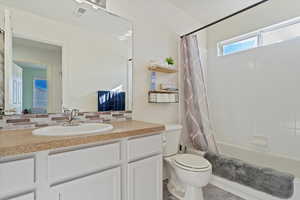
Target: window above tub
276,33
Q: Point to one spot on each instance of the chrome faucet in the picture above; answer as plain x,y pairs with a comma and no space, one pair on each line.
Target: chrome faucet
72,114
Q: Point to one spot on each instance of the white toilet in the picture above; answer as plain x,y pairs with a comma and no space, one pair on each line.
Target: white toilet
187,173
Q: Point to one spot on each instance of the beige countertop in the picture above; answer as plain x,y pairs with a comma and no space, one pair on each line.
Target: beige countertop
22,141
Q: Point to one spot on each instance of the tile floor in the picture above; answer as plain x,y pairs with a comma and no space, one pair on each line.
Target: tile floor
211,192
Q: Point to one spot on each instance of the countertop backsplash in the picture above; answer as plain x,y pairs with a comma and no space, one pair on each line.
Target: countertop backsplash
16,122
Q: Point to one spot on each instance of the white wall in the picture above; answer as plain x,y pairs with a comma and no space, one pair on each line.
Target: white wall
256,92
157,26
208,11
91,61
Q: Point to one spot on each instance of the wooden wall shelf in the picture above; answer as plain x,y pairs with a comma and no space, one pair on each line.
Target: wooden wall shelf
162,70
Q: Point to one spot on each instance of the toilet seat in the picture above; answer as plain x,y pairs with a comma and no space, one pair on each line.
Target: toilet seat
192,162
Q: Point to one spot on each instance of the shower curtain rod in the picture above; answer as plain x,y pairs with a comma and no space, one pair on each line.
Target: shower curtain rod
227,17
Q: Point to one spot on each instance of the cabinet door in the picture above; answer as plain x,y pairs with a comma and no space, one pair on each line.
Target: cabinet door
145,179
16,175
103,185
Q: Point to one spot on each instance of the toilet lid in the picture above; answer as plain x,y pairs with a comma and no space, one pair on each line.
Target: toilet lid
192,161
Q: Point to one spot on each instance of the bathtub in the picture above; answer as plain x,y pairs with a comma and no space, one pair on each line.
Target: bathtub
262,159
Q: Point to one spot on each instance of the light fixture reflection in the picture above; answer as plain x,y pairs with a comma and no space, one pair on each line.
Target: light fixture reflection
96,4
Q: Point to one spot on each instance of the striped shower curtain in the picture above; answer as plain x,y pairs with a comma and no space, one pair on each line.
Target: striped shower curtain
196,110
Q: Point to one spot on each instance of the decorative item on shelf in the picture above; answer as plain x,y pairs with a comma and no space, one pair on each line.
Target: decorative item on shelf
168,87
163,97
153,81
171,63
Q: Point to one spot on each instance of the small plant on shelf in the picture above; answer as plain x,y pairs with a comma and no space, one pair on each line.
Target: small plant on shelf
170,61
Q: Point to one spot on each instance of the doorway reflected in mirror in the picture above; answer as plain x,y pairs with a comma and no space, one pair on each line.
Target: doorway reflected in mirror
36,77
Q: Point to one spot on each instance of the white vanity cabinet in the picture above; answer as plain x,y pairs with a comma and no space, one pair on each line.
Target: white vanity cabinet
102,185
145,179
125,169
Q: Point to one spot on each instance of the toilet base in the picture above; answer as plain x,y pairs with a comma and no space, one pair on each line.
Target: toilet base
190,193
175,191
193,193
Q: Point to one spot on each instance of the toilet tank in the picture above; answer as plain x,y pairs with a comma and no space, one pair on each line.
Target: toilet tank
171,139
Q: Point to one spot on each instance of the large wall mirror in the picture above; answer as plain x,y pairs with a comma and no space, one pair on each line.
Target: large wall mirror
1,68
64,54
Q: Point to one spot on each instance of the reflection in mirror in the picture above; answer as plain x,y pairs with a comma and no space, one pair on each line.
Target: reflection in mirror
36,77
78,57
1,70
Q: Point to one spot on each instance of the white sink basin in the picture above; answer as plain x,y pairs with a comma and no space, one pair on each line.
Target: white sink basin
81,129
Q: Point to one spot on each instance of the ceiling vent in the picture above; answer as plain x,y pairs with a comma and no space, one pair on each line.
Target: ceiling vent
79,12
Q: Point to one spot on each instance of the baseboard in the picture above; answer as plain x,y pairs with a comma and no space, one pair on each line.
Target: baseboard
243,191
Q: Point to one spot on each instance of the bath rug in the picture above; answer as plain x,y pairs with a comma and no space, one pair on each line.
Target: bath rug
266,180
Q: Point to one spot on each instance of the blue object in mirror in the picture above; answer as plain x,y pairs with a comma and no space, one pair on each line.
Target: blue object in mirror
111,101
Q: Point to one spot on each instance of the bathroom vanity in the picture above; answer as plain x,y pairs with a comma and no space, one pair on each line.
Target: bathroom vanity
125,163
71,62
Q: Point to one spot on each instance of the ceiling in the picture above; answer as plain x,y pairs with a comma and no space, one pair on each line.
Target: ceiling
66,11
30,65
38,46
34,44
191,13
206,11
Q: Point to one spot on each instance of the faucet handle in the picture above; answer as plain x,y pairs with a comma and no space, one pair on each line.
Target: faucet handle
2,112
75,112
65,109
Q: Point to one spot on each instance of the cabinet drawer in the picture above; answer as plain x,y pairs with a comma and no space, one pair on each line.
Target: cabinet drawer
80,162
16,175
144,146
